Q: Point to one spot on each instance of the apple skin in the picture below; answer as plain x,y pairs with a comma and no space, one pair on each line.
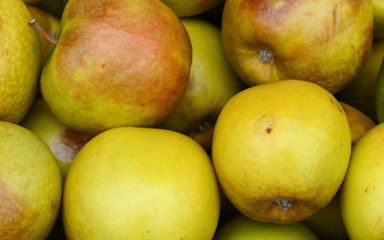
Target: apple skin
191,7
243,228
141,183
362,192
63,141
361,92
212,83
269,144
126,63
359,123
324,42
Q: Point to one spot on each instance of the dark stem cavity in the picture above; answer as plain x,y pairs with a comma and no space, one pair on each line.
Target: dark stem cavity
284,204
265,55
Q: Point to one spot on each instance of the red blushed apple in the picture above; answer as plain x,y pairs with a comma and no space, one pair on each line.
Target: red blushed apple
117,63
324,42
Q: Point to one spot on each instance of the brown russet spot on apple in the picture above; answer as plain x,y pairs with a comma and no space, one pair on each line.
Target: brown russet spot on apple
11,215
68,144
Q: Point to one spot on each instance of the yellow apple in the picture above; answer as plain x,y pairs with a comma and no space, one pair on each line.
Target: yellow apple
243,228
324,42
63,141
212,83
141,183
281,150
30,185
362,192
361,92
191,7
378,19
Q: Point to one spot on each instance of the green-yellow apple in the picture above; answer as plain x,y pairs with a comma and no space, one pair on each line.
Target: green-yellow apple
324,42
212,83
361,92
63,141
243,228
191,7
141,183
117,63
30,185
281,150
378,19
20,61
359,123
327,223
50,24
362,192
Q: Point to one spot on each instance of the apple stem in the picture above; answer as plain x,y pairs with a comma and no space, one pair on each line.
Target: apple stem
284,203
265,56
41,31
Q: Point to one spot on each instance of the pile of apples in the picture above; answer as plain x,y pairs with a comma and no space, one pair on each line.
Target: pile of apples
214,119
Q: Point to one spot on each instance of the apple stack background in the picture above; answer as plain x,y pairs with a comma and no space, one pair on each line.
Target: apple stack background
215,119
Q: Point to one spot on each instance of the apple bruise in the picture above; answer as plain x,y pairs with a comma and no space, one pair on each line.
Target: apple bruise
11,215
68,144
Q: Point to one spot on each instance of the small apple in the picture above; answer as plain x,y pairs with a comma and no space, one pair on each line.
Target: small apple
281,150
117,63
362,192
212,83
243,228
361,92
324,42
191,7
359,123
63,141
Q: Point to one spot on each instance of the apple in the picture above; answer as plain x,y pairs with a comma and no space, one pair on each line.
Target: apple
359,123
63,141
212,82
281,150
361,92
324,42
30,185
191,7
362,192
117,63
141,183
243,228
